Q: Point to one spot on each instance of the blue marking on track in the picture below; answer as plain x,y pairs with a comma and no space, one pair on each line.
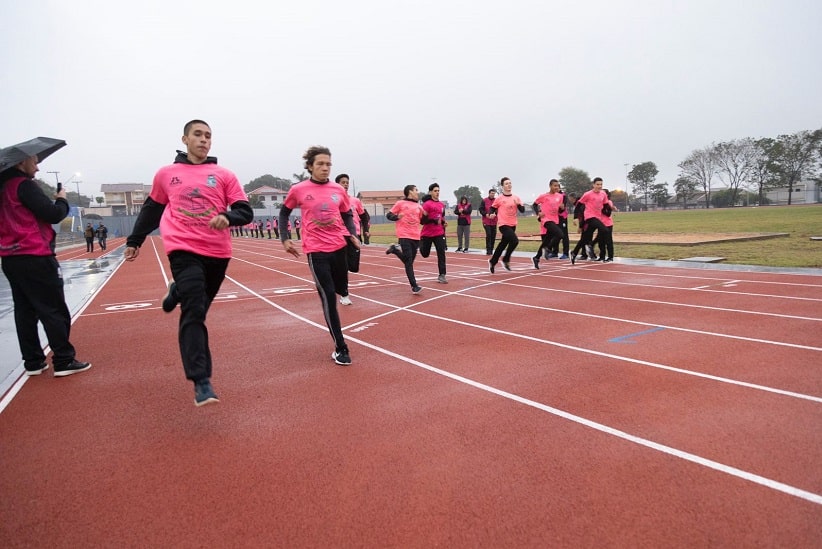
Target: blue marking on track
627,338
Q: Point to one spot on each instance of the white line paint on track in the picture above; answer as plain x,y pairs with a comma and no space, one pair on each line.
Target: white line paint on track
687,456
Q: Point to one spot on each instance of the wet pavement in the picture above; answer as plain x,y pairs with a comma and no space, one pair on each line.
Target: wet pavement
82,278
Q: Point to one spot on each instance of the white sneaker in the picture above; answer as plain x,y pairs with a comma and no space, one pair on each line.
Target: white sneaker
345,300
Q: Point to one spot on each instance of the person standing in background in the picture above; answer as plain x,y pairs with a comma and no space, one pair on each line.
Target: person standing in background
102,235
489,221
88,234
463,211
27,244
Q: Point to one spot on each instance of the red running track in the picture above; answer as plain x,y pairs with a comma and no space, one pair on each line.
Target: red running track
589,405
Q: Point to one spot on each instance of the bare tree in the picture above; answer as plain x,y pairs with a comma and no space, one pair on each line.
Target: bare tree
734,163
700,167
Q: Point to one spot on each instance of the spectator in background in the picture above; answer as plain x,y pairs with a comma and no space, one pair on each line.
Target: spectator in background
30,265
463,211
489,221
88,234
102,235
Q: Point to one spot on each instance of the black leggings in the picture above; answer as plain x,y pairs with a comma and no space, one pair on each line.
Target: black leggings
591,225
606,242
439,244
507,242
407,254
330,272
550,239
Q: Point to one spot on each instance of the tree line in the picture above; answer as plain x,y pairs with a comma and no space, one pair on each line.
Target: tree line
747,167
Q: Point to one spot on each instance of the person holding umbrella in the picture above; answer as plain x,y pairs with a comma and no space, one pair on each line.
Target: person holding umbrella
27,244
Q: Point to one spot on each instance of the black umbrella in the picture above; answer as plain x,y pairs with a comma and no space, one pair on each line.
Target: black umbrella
42,147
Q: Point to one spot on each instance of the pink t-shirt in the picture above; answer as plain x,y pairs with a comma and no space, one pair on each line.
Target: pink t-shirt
435,210
193,194
593,204
322,226
549,206
507,209
408,226
357,210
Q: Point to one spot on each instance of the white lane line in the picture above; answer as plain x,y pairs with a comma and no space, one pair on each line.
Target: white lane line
687,456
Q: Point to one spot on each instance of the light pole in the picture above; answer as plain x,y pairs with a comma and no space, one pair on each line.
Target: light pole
627,188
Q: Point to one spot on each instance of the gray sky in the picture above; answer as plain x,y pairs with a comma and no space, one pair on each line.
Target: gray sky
405,91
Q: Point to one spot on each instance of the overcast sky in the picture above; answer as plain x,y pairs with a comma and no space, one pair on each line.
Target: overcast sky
464,92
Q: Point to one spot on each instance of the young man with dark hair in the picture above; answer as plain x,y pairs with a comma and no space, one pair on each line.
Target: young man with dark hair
407,213
433,229
327,232
193,201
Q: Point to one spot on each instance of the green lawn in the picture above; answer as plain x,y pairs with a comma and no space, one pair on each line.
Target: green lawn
795,250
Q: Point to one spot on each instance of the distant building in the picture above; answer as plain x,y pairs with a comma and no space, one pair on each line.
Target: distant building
269,195
125,198
378,202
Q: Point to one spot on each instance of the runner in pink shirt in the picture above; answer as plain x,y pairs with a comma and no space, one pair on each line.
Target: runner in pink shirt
193,201
593,201
361,218
506,206
327,231
606,237
407,213
433,229
547,206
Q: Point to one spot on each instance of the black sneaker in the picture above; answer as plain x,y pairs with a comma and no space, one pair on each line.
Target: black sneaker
491,265
171,299
459,249
35,369
392,249
415,290
573,258
204,393
536,262
72,367
608,260
506,265
341,357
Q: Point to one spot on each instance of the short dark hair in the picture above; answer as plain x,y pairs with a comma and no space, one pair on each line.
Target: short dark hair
345,175
553,181
492,190
187,127
596,179
407,190
312,153
504,179
433,186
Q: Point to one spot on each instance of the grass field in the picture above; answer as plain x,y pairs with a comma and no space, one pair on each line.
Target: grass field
795,250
